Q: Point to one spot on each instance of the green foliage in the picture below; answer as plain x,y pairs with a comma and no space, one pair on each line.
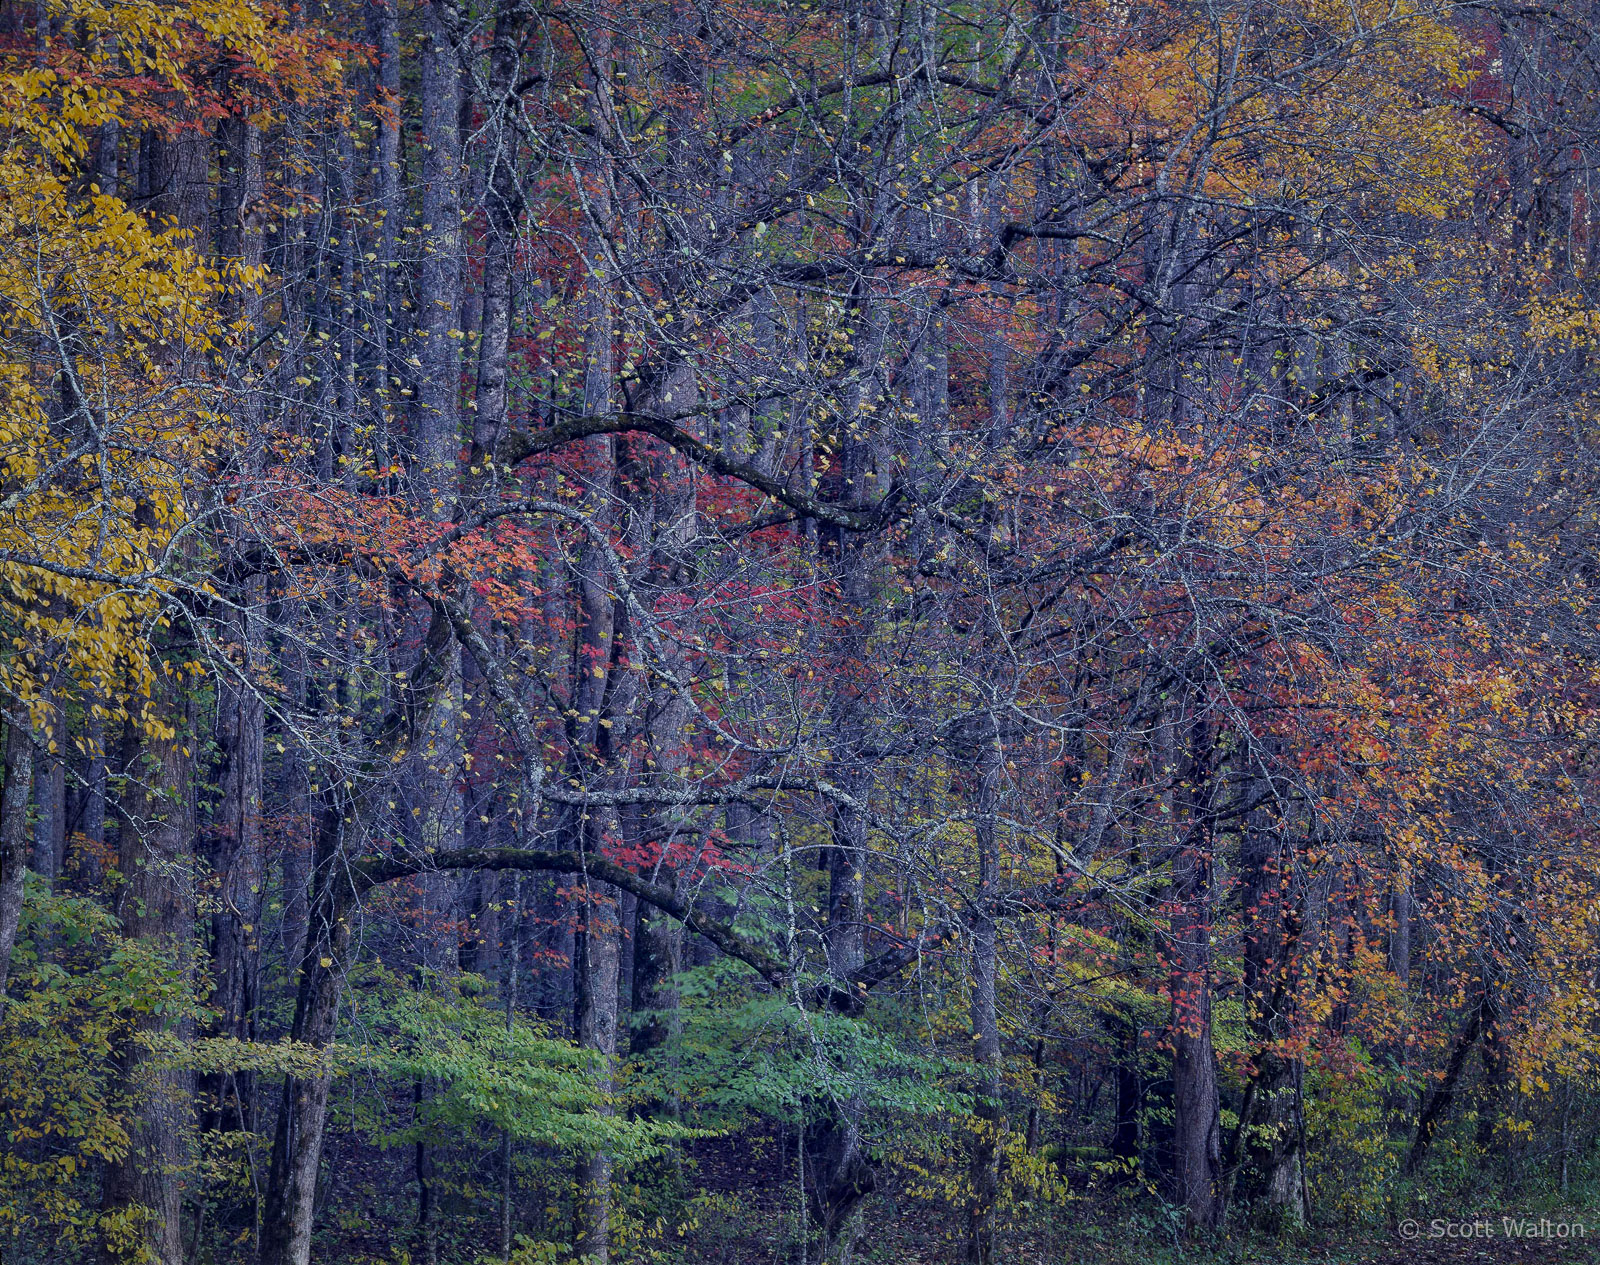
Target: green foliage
484,1073
63,1103
1357,1153
739,1054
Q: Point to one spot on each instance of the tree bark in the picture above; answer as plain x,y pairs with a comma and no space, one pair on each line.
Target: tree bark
989,1110
1266,1149
303,1107
1437,1104
14,841
598,958
1197,1103
157,905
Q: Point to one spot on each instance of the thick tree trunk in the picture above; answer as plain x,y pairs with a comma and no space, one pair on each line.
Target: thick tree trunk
838,1173
157,905
1196,1098
437,486
1267,1147
503,205
438,284
180,181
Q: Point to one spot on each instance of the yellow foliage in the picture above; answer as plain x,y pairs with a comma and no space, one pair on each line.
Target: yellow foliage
107,324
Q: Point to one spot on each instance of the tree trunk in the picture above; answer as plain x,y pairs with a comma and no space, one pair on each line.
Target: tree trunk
512,981
1197,1103
157,905
1400,936
596,963
387,364
985,1172
1266,1148
303,1106
503,205
1438,1103
438,284
14,840
422,1159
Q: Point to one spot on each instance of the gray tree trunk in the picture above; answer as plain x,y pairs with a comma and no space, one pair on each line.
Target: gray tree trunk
157,905
14,840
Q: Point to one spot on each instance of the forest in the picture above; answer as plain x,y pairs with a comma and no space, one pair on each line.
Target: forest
797,631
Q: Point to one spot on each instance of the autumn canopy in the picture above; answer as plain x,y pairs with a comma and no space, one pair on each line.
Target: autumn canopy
672,630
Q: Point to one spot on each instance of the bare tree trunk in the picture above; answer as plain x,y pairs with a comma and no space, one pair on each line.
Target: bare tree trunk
237,849
985,1172
1197,1103
503,208
157,905
383,27
512,980
50,793
1438,1103
107,137
427,1230
14,841
303,1108
1400,937
437,487
598,958
439,279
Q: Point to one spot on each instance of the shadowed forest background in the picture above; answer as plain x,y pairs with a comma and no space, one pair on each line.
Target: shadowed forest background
783,631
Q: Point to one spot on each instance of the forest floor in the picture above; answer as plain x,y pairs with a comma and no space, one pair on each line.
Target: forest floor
1499,1251
753,1202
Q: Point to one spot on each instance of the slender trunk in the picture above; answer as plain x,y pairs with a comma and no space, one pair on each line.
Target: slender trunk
513,965
383,27
597,965
14,841
1197,1144
985,1171
50,796
1438,1103
303,1106
1400,936
422,1157
597,949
